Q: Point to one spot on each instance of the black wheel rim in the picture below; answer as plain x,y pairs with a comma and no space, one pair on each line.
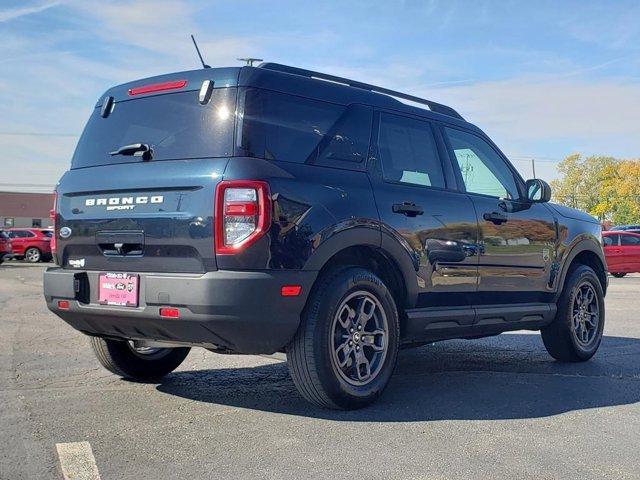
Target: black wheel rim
360,334
585,314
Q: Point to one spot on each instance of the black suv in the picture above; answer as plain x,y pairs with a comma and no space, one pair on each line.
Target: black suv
274,209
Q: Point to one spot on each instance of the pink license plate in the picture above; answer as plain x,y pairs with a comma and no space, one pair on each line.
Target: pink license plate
118,289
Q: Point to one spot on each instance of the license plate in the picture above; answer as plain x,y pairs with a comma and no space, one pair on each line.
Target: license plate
119,289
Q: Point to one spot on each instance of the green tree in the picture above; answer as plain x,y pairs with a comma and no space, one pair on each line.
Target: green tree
581,182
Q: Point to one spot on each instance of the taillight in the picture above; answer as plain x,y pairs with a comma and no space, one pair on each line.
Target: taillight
242,214
52,215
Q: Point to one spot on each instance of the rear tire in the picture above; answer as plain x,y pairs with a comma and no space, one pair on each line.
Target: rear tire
32,255
576,332
121,358
618,275
346,347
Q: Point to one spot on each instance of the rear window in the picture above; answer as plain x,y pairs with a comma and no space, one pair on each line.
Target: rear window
278,126
47,233
175,125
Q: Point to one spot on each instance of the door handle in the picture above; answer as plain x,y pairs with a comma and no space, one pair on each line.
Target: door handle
495,217
407,208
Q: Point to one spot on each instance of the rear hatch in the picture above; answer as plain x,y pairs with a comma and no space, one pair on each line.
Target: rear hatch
139,195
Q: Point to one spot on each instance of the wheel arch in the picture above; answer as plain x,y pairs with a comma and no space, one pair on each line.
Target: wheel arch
372,249
586,252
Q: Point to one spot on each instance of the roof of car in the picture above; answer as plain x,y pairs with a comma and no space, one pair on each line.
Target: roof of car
618,232
297,81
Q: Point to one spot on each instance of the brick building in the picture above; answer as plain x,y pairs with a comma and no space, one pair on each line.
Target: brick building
25,209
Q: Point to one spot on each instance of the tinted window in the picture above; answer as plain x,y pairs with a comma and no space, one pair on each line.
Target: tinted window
610,240
175,125
483,170
47,233
278,126
408,151
629,240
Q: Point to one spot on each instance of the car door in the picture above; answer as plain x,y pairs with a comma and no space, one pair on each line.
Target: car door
630,246
17,241
612,251
420,207
518,238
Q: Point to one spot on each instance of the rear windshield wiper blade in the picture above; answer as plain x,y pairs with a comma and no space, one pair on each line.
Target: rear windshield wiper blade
136,149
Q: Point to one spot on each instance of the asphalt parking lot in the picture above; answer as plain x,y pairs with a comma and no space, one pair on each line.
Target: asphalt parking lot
489,408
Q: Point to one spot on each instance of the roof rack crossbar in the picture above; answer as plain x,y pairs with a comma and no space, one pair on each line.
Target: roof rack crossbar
433,106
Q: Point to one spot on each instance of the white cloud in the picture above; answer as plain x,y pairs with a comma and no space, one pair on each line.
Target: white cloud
13,13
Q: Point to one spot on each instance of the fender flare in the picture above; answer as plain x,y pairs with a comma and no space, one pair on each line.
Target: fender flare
589,244
370,236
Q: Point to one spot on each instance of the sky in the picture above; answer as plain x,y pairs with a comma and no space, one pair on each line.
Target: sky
542,79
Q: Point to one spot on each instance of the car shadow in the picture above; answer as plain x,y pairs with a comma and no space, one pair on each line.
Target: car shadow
505,377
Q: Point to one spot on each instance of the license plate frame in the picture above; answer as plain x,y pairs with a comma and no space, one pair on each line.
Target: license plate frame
118,289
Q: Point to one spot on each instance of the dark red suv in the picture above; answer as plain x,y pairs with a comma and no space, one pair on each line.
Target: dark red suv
5,245
32,244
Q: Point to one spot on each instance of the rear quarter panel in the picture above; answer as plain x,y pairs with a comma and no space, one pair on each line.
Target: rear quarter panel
312,204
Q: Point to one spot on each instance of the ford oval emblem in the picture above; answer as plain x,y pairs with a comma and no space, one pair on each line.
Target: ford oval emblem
65,232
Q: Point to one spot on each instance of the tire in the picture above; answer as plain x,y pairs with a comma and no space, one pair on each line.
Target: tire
618,275
120,358
321,343
32,255
564,338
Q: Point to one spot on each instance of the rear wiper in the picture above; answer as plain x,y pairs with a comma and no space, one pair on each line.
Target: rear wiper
136,149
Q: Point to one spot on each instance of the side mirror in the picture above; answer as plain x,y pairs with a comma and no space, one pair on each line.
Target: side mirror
538,191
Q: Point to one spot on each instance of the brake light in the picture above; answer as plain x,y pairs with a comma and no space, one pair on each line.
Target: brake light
242,214
63,304
157,87
52,216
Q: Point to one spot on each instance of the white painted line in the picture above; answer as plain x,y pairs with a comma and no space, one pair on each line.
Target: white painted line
77,461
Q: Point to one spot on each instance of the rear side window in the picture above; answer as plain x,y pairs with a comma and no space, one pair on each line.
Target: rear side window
408,151
175,125
277,126
629,240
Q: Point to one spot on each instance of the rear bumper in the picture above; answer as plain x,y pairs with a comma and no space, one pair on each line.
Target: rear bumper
242,311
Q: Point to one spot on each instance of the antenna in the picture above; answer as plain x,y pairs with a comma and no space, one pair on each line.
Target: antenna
204,65
249,60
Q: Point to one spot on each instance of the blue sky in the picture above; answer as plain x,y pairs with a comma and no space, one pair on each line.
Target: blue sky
543,79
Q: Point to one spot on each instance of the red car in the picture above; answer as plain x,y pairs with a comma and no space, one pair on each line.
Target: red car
5,245
32,244
622,252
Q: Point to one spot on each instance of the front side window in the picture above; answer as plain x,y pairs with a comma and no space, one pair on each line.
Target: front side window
408,151
610,240
278,126
483,170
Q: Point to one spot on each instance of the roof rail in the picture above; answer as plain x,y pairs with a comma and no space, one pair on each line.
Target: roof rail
433,106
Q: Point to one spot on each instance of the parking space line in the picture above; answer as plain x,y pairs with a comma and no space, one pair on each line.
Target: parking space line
77,461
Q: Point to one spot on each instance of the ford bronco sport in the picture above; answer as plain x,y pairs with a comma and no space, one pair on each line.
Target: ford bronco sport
274,209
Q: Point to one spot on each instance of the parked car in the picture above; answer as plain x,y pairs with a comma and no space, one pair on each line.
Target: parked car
622,252
31,244
5,246
274,209
626,228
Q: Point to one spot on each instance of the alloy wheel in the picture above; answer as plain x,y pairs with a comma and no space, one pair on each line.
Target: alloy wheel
360,334
585,314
